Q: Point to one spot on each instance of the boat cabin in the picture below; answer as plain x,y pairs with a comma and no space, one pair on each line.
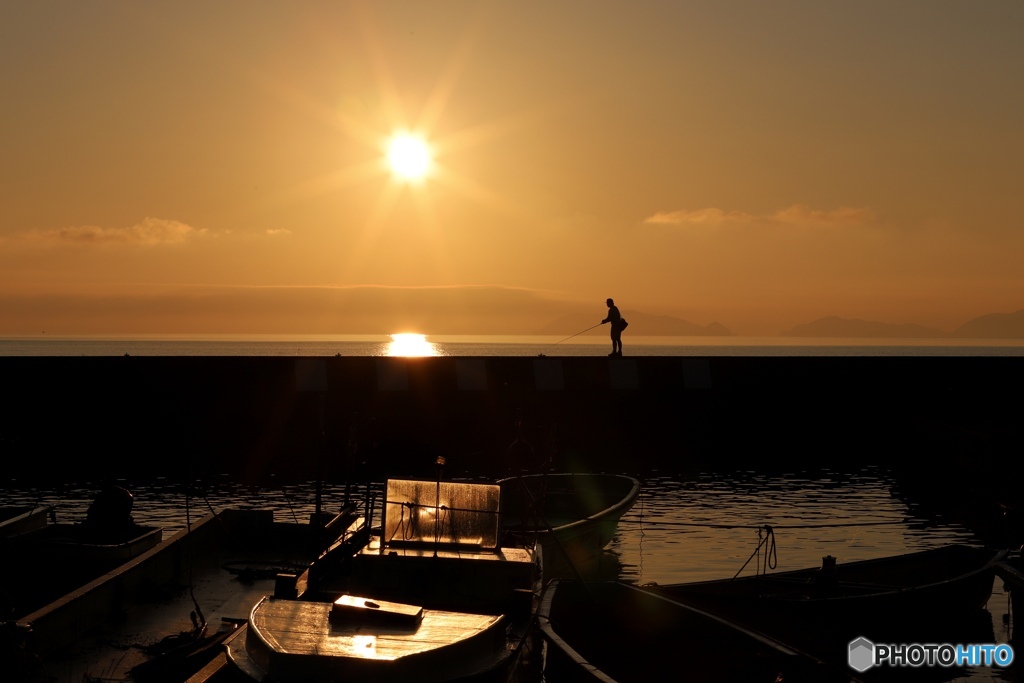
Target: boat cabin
440,544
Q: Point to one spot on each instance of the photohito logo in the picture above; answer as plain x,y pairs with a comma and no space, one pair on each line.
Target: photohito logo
864,654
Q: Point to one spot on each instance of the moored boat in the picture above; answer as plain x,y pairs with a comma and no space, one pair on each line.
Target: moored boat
610,631
1011,570
172,604
55,558
61,557
573,516
948,579
934,595
435,597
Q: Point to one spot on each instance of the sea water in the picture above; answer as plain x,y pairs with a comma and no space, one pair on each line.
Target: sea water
692,527
455,345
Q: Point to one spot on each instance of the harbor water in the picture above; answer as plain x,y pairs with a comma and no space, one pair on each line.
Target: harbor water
684,527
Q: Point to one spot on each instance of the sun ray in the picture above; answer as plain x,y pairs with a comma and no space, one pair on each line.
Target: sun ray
411,178
440,95
390,96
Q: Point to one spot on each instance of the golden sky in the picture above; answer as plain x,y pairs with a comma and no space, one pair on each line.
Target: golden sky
187,167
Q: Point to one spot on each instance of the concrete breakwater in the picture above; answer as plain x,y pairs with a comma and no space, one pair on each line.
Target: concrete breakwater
303,417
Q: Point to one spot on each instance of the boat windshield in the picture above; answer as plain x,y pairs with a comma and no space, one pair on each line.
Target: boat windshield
441,512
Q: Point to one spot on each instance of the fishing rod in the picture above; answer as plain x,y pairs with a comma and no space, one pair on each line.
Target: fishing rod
576,335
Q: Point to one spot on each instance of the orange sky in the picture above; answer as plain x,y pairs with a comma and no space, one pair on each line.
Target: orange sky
198,167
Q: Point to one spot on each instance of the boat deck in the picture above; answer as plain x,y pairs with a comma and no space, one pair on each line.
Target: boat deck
503,554
298,627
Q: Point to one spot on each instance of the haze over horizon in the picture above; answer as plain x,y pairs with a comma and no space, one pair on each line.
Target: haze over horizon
225,167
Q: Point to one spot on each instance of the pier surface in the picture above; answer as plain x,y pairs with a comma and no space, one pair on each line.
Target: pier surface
255,416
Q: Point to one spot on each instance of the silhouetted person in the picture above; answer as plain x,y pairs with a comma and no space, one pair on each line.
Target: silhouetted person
618,324
110,513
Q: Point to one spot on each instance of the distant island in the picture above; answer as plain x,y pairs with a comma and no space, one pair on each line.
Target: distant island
992,326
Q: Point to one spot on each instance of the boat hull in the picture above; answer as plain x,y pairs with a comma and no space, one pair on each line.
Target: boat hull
614,632
1011,570
952,579
572,516
15,520
63,557
294,640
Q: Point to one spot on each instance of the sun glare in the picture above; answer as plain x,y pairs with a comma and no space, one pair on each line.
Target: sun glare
408,344
409,157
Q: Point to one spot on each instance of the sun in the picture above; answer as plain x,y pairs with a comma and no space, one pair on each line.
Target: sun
408,156
411,344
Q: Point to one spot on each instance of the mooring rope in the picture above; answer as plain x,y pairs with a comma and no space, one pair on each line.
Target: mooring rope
765,535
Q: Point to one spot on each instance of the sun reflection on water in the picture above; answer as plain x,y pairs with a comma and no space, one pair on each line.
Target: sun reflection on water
410,344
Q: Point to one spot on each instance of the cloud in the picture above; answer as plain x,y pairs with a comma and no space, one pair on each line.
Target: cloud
844,215
709,216
275,232
797,214
148,232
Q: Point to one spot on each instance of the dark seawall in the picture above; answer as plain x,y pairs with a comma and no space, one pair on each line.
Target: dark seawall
251,417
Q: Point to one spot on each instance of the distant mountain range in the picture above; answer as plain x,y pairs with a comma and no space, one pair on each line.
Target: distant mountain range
992,326
639,324
834,326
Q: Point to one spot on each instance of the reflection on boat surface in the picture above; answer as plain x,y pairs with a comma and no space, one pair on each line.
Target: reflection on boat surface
611,631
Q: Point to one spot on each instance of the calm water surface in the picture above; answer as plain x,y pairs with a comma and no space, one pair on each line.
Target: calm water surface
513,345
691,528
709,526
